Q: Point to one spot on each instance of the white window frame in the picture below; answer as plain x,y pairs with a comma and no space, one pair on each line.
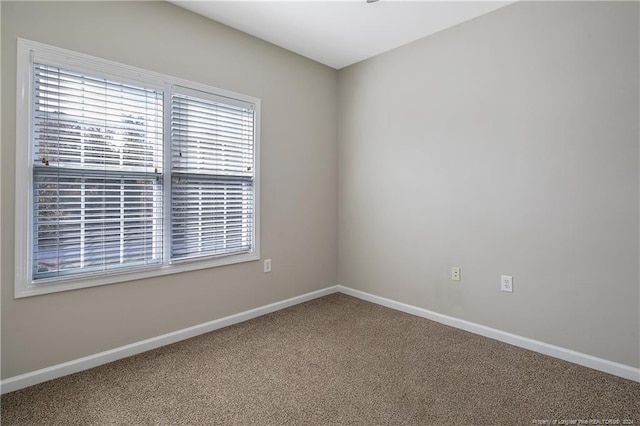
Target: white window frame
24,285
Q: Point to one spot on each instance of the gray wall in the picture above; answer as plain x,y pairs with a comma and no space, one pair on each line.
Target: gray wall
299,178
505,145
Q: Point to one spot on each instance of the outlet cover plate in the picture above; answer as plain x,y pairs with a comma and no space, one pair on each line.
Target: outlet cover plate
455,273
506,283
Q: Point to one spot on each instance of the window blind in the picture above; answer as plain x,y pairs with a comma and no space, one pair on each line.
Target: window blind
212,175
97,173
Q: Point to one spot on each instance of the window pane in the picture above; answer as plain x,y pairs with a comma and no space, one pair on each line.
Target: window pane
211,216
87,223
82,121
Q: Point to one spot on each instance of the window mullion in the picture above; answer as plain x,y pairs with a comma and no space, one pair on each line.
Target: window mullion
83,216
122,222
167,176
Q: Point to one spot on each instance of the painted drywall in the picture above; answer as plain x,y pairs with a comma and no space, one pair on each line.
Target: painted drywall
298,178
505,145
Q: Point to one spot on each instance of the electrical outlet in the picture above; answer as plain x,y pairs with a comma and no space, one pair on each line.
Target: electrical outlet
267,265
455,273
506,283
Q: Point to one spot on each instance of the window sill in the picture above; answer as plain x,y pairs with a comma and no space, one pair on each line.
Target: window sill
74,283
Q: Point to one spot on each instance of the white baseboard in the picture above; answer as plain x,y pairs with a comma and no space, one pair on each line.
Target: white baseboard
579,358
74,366
32,378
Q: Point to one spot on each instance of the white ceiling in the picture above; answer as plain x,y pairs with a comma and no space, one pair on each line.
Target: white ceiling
339,33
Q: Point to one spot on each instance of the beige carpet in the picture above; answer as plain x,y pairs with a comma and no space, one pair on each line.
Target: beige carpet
334,360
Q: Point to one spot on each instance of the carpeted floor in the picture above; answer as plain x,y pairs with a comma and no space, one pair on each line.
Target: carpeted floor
334,360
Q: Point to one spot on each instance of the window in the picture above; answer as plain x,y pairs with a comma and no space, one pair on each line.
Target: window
124,173
212,175
96,167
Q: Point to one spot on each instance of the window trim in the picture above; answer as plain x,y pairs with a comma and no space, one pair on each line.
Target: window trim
24,286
